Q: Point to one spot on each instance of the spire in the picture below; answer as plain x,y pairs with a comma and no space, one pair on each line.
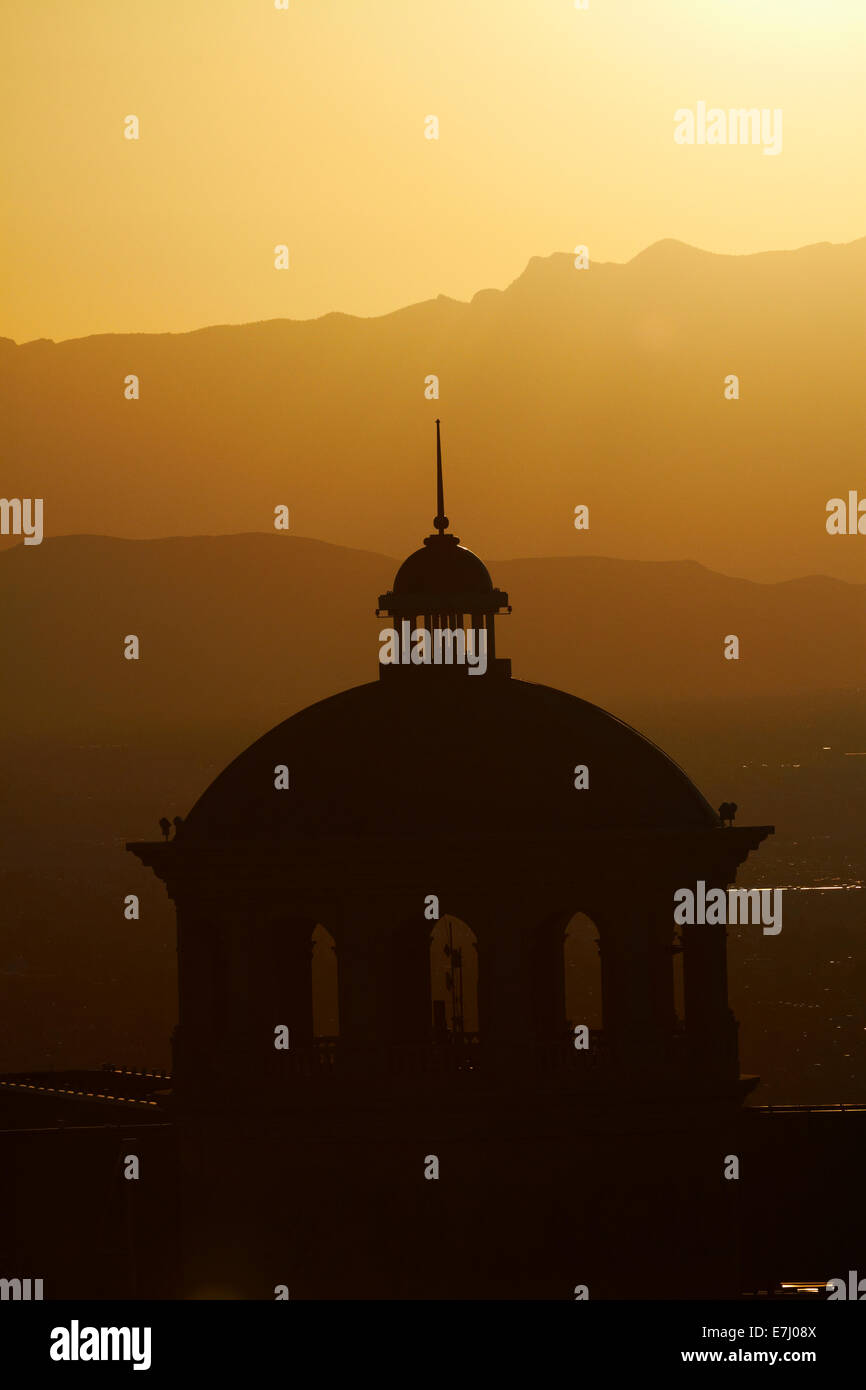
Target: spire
440,521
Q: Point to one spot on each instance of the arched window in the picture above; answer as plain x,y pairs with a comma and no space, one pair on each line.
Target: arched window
454,979
326,1010
582,973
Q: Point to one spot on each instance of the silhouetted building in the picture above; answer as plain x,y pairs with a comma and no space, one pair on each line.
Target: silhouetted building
466,1129
437,782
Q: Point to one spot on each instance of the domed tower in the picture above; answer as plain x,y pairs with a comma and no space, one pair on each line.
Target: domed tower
445,587
508,807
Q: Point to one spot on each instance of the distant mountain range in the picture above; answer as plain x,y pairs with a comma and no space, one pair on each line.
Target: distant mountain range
252,627
602,387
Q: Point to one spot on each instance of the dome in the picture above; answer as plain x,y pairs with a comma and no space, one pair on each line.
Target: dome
443,566
443,577
463,758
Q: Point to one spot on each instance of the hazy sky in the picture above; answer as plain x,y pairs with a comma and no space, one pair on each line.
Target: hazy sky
306,127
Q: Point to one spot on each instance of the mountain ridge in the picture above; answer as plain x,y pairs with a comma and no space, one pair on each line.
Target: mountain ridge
250,626
607,388
395,560
561,259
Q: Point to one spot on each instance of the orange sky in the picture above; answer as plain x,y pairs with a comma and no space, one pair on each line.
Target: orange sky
306,127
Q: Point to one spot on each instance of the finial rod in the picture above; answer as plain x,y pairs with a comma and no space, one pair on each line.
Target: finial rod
440,521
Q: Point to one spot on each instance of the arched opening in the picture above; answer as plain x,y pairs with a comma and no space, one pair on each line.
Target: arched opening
582,964
454,980
326,1008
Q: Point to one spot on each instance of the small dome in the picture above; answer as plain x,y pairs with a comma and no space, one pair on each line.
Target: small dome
443,566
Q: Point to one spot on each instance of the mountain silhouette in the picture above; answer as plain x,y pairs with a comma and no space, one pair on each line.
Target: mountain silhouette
252,627
602,387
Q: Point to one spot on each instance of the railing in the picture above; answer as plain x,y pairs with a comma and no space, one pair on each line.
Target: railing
560,1057
448,1054
441,1056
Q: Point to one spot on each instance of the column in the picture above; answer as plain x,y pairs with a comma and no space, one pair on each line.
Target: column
711,1029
